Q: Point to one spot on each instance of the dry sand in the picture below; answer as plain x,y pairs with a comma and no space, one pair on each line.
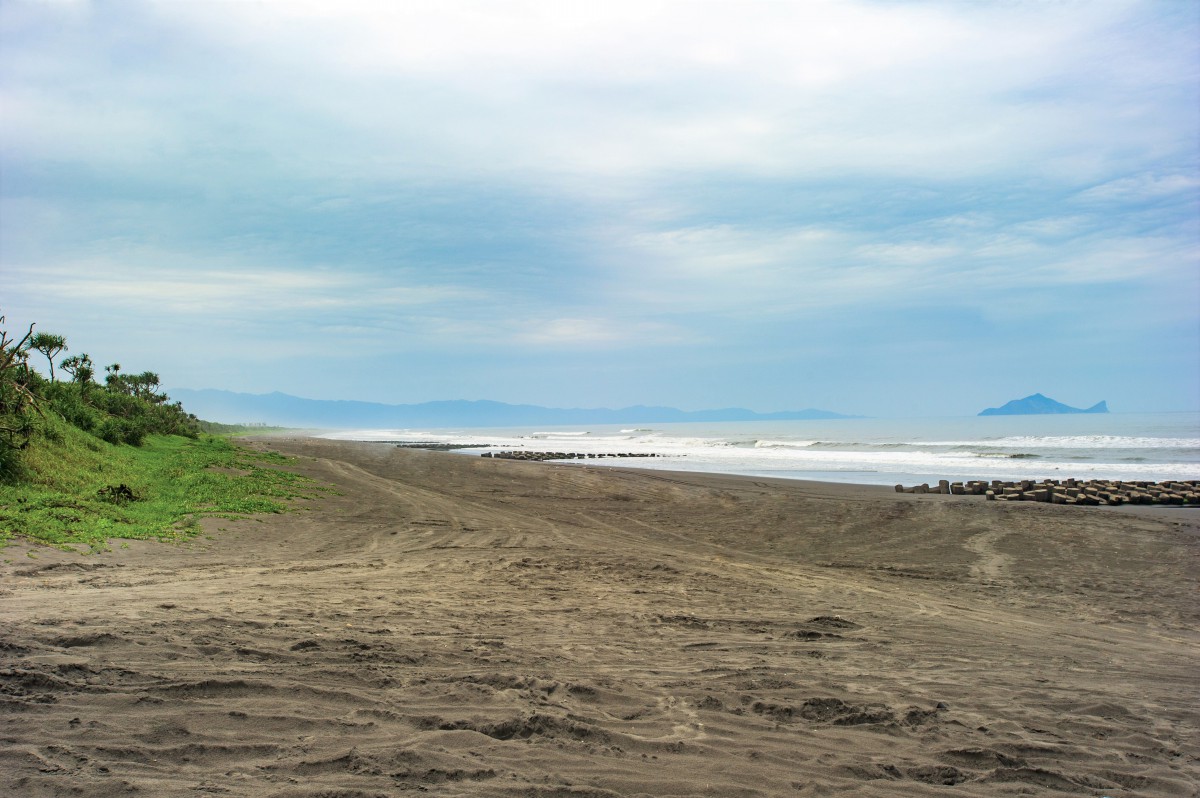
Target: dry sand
472,627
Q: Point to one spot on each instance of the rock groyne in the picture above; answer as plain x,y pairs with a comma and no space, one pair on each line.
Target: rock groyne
541,456
440,447
1093,492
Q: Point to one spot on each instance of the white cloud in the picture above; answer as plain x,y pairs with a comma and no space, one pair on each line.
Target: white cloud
1142,186
908,254
188,289
1134,260
726,250
87,129
1053,226
584,91
588,333
570,177
589,90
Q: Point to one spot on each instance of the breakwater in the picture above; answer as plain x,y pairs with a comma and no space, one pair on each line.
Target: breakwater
1093,492
439,447
542,456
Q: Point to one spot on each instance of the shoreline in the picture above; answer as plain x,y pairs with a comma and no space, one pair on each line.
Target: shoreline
1139,447
473,627
686,476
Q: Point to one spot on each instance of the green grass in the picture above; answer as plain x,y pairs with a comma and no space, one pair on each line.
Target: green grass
215,428
70,496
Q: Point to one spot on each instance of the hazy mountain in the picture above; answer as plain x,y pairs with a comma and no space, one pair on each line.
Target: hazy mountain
292,411
1037,405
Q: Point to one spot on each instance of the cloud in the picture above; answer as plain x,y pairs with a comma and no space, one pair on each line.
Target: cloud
571,333
547,183
202,291
908,254
1145,186
611,90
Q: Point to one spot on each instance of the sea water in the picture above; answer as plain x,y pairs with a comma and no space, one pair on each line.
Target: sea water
1153,446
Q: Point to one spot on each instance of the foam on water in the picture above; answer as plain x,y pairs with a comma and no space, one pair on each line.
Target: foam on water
881,451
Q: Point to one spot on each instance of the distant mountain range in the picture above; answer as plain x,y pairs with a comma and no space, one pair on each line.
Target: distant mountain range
1038,405
281,409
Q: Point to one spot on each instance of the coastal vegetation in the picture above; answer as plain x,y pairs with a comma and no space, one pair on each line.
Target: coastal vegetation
82,462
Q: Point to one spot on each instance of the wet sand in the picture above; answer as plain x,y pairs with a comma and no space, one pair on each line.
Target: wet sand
461,626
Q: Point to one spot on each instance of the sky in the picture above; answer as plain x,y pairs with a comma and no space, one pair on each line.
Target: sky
874,207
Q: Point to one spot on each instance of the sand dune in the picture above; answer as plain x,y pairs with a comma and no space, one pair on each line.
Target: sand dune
472,627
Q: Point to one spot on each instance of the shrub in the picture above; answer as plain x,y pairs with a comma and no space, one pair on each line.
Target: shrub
11,469
68,401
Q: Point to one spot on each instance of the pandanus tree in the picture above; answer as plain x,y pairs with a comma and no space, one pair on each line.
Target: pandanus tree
81,369
114,379
145,386
50,345
16,398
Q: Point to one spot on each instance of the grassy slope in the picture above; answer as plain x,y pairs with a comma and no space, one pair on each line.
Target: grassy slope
174,481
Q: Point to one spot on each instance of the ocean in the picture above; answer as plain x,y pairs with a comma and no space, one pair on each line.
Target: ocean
1151,446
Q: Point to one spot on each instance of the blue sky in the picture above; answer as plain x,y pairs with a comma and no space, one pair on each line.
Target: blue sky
884,208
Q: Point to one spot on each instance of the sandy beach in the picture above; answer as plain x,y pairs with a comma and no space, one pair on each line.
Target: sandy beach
461,626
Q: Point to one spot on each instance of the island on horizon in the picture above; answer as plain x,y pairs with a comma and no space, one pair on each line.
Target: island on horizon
1039,405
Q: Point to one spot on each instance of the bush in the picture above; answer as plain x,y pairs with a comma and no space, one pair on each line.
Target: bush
123,430
11,468
134,432
124,410
69,402
110,430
